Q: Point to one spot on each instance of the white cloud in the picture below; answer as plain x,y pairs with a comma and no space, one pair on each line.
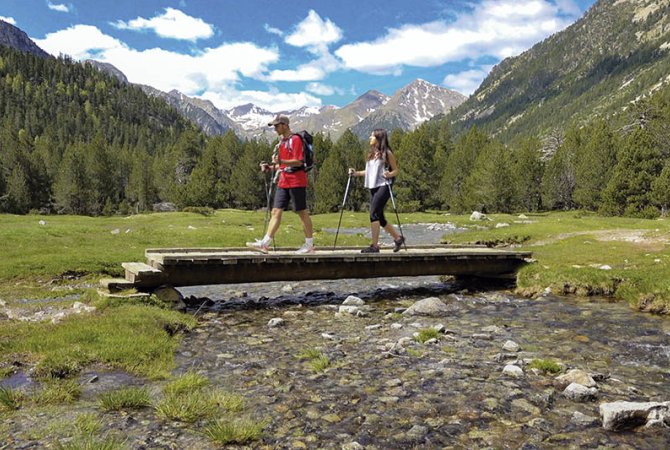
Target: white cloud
172,24
272,100
79,41
498,28
468,81
314,33
58,7
311,71
273,30
323,89
212,74
8,20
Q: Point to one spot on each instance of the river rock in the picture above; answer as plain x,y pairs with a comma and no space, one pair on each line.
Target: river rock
511,346
276,322
431,306
621,415
582,419
579,393
574,376
353,300
349,309
513,371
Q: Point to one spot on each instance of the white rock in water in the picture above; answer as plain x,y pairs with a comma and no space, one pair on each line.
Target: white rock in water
349,309
511,346
276,322
513,371
353,300
431,306
580,393
626,415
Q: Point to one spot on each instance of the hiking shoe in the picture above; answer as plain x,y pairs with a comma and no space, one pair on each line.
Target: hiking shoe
370,249
306,248
397,245
259,246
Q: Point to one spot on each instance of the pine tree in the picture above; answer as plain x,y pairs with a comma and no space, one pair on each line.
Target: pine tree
72,189
329,189
559,180
18,192
247,178
629,190
594,162
660,189
528,169
458,167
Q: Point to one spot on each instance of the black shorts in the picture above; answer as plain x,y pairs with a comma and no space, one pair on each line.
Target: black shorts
297,195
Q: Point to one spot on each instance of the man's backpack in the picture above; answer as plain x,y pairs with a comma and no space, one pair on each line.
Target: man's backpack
307,151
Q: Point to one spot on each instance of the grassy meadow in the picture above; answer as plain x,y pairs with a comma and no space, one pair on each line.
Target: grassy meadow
52,261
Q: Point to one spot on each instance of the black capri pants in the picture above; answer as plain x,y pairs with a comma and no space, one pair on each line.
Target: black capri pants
378,198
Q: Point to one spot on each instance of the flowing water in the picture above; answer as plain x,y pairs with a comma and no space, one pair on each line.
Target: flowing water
451,393
381,389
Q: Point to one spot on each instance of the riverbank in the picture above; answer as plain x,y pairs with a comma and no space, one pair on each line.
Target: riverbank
59,354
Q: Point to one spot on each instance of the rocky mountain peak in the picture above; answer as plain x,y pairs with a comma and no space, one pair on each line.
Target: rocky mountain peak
108,69
12,36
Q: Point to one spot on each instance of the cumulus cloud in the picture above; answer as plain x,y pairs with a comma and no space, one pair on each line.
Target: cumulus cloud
323,89
498,28
272,100
311,71
58,7
314,33
212,74
172,24
8,20
468,81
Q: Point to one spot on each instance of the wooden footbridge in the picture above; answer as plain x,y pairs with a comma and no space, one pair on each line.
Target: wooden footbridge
202,266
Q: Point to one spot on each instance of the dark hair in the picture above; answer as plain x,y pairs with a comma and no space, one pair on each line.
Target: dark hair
381,147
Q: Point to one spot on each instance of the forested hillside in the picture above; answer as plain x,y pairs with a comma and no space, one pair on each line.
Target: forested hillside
615,54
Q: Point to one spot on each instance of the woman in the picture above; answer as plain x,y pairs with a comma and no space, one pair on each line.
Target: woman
379,172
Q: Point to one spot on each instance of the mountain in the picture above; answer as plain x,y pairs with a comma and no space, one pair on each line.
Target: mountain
109,69
16,38
184,105
616,53
410,106
250,117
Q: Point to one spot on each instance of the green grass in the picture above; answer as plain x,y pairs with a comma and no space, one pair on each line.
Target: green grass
570,248
188,382
125,398
92,443
545,365
187,406
56,392
10,399
87,423
235,431
229,401
316,360
138,339
426,334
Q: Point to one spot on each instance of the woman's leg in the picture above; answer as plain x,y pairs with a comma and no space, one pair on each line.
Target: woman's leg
379,197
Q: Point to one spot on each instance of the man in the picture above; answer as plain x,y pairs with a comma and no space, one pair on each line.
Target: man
287,161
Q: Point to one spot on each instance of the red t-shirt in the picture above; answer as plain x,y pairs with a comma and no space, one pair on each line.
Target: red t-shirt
295,179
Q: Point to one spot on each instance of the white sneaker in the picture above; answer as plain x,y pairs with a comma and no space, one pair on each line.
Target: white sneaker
259,245
306,248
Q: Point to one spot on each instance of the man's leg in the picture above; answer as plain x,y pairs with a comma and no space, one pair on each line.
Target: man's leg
306,223
275,221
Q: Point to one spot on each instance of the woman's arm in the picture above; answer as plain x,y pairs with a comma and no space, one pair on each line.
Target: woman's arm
393,165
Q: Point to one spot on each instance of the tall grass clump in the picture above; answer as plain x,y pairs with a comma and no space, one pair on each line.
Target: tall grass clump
235,431
125,398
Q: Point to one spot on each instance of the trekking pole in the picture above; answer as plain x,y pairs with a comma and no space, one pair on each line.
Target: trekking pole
344,202
396,214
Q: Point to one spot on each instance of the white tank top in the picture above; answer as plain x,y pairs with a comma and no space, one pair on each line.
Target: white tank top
374,173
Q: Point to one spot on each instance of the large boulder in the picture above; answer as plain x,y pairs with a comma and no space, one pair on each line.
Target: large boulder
431,306
622,415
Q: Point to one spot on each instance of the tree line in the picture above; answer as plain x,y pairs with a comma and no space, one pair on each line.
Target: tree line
77,141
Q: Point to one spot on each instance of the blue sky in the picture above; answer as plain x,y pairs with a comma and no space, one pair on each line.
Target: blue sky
284,55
